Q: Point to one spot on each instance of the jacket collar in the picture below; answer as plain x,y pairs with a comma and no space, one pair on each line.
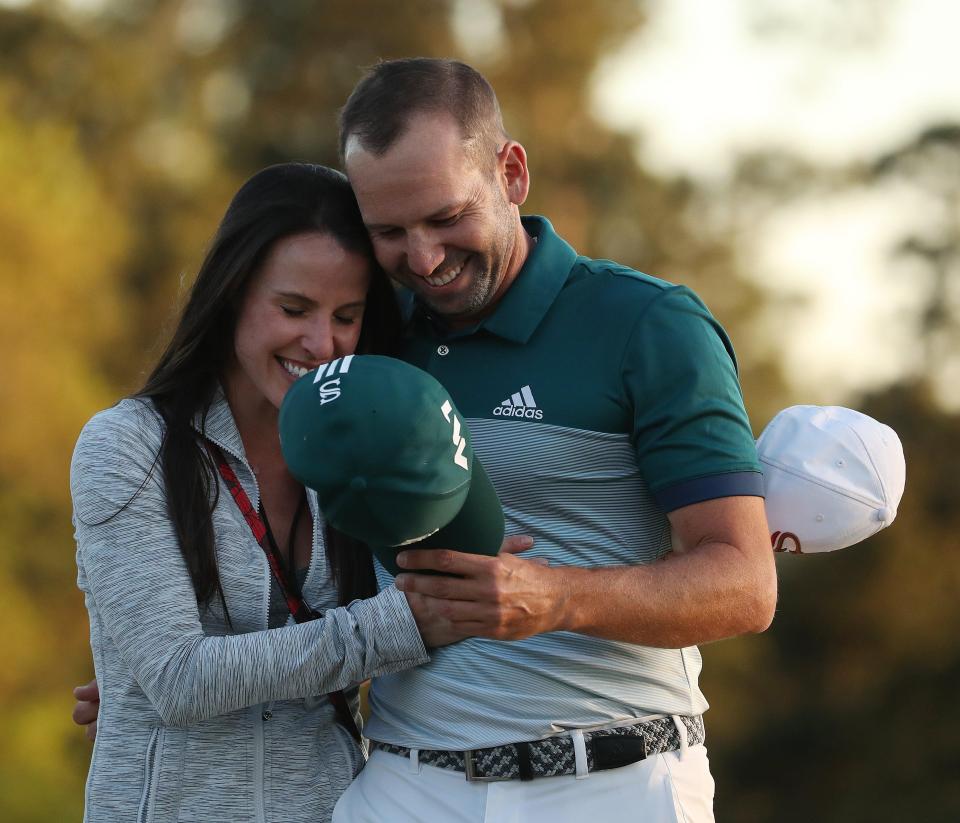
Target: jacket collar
219,427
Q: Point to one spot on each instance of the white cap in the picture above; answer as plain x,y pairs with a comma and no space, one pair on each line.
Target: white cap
832,477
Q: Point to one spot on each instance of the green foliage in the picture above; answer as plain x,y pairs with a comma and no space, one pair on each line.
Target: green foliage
64,242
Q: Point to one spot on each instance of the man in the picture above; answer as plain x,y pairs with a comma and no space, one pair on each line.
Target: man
605,407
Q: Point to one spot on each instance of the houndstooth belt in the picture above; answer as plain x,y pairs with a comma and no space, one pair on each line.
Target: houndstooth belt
554,756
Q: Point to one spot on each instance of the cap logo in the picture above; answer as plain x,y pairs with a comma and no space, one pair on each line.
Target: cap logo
329,391
458,439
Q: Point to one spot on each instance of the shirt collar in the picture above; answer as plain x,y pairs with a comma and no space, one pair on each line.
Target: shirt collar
532,293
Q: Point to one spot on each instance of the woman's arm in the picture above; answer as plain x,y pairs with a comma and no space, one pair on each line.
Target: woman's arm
141,587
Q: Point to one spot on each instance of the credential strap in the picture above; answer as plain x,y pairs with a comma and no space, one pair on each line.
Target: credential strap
300,611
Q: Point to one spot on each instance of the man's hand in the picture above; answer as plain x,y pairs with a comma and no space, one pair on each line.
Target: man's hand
487,598
503,597
87,708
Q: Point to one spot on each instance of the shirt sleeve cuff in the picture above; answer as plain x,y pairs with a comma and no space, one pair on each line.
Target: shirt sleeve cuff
732,484
394,632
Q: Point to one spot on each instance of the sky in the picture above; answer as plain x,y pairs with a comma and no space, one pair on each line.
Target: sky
832,81
703,83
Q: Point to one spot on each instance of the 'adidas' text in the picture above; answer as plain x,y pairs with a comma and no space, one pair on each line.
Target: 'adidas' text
519,404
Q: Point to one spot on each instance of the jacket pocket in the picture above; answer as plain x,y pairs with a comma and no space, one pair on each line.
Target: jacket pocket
151,775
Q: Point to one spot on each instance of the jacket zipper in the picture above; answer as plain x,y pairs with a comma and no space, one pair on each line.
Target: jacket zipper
258,721
150,777
258,765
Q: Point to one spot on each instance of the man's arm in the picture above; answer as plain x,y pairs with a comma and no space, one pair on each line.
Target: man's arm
719,581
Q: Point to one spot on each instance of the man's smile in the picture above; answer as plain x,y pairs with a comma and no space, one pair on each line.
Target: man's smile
445,277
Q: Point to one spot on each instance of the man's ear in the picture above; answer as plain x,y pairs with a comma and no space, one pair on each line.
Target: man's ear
513,171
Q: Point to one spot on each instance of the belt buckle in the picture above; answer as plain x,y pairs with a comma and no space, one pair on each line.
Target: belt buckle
470,770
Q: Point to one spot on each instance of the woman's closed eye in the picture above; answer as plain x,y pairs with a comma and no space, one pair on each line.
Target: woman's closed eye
348,319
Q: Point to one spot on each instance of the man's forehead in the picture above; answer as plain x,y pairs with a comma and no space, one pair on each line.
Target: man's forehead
423,172
426,137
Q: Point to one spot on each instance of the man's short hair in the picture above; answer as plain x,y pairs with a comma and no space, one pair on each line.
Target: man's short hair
391,92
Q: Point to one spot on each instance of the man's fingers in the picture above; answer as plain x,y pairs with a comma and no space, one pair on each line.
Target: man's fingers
463,576
87,707
89,691
454,562
457,613
441,560
85,712
440,587
515,543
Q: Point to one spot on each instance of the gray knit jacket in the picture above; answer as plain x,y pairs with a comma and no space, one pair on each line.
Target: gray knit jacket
198,722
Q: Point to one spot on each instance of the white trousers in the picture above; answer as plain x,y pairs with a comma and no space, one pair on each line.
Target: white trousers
664,788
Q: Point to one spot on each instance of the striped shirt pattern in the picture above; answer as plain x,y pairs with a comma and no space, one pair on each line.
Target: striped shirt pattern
580,495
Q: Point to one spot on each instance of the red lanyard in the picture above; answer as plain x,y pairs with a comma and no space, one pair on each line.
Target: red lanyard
301,611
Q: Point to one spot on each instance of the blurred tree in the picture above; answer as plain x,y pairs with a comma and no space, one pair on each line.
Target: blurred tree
849,714
931,163
63,242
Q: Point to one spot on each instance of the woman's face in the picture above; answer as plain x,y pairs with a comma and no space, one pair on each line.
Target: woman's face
303,308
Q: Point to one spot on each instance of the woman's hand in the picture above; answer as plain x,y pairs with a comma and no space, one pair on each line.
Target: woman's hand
87,708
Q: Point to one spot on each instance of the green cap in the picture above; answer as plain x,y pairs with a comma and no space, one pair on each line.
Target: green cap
390,458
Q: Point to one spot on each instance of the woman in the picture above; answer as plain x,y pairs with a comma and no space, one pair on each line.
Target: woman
213,708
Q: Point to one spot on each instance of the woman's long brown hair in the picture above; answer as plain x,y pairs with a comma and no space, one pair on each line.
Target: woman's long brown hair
278,202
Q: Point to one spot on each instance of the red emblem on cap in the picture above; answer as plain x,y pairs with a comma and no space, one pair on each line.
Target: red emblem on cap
779,540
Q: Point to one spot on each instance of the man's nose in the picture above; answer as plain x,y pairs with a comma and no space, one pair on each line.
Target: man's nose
424,254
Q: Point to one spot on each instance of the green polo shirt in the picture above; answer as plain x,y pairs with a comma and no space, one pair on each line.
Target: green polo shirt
598,399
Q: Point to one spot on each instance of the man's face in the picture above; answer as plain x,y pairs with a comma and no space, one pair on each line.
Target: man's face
441,225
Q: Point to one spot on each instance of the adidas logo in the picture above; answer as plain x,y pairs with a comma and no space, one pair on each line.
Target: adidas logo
519,404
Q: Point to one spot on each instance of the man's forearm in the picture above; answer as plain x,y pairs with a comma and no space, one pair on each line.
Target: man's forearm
706,594
719,581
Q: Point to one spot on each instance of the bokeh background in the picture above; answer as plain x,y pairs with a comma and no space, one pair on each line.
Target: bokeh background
795,162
